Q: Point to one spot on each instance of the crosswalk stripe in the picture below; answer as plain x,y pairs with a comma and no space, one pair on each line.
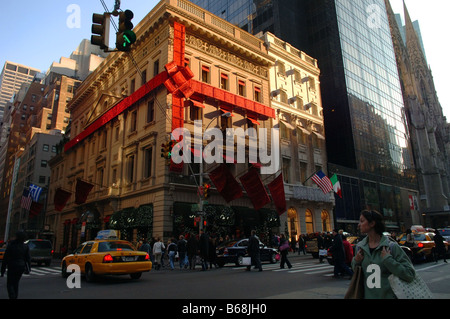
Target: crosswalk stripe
43,271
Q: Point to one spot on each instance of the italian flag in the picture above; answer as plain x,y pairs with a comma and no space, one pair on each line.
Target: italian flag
336,185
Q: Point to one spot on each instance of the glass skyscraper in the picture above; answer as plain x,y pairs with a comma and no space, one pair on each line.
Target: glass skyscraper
366,133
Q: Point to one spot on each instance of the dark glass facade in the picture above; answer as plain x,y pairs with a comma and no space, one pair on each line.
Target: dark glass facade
366,133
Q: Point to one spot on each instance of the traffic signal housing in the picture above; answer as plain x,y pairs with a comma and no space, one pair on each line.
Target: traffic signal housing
100,30
125,36
206,188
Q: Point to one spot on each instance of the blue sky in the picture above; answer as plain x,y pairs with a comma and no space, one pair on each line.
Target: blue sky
35,33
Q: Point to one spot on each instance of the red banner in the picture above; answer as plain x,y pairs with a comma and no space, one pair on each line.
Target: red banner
255,189
35,209
225,183
276,188
61,198
82,191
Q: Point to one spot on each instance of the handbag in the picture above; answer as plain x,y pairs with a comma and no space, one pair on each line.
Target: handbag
323,252
356,288
284,246
416,289
246,261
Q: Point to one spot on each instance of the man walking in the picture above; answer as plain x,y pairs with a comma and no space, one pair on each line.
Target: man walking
253,251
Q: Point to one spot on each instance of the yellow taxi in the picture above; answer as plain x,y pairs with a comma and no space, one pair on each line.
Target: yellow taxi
2,252
424,244
107,257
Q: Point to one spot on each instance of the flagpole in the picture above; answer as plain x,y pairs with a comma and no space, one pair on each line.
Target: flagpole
310,177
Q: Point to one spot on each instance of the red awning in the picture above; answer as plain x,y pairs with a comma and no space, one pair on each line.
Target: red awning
198,104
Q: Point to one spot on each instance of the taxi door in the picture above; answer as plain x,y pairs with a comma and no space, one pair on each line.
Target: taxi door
83,256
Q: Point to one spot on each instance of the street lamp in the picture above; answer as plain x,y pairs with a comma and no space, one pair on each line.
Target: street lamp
200,206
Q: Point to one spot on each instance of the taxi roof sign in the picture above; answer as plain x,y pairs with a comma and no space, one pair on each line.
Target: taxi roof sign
107,234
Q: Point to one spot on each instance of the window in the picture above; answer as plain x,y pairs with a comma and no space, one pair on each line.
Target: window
114,176
300,105
241,88
303,170
132,86
41,179
43,163
257,94
155,68
281,68
196,113
45,147
283,97
286,170
309,222
148,157
224,81
130,169
100,175
151,111
205,74
144,77
133,121
53,148
70,88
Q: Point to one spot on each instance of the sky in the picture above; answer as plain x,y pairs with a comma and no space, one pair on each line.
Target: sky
41,32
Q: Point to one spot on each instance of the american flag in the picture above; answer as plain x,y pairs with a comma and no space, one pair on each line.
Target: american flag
26,200
323,182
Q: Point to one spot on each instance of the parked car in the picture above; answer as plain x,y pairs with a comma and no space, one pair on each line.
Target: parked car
424,245
445,232
233,252
41,251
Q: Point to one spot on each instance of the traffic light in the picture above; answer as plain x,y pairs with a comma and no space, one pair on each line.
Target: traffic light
164,150
100,30
206,188
171,145
125,37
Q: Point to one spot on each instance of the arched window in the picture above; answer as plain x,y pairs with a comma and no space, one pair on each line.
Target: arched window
293,224
309,222
326,225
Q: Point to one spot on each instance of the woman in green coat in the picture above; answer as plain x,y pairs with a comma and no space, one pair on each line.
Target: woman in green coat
379,258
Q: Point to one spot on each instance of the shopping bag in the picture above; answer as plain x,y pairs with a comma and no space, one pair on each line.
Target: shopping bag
323,252
356,288
416,289
246,261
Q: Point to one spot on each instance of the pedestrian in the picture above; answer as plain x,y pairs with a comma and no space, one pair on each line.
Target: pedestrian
376,249
348,249
293,244
204,249
338,252
284,249
253,251
301,244
171,252
410,241
212,256
192,250
182,249
321,246
439,249
18,261
158,248
146,247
